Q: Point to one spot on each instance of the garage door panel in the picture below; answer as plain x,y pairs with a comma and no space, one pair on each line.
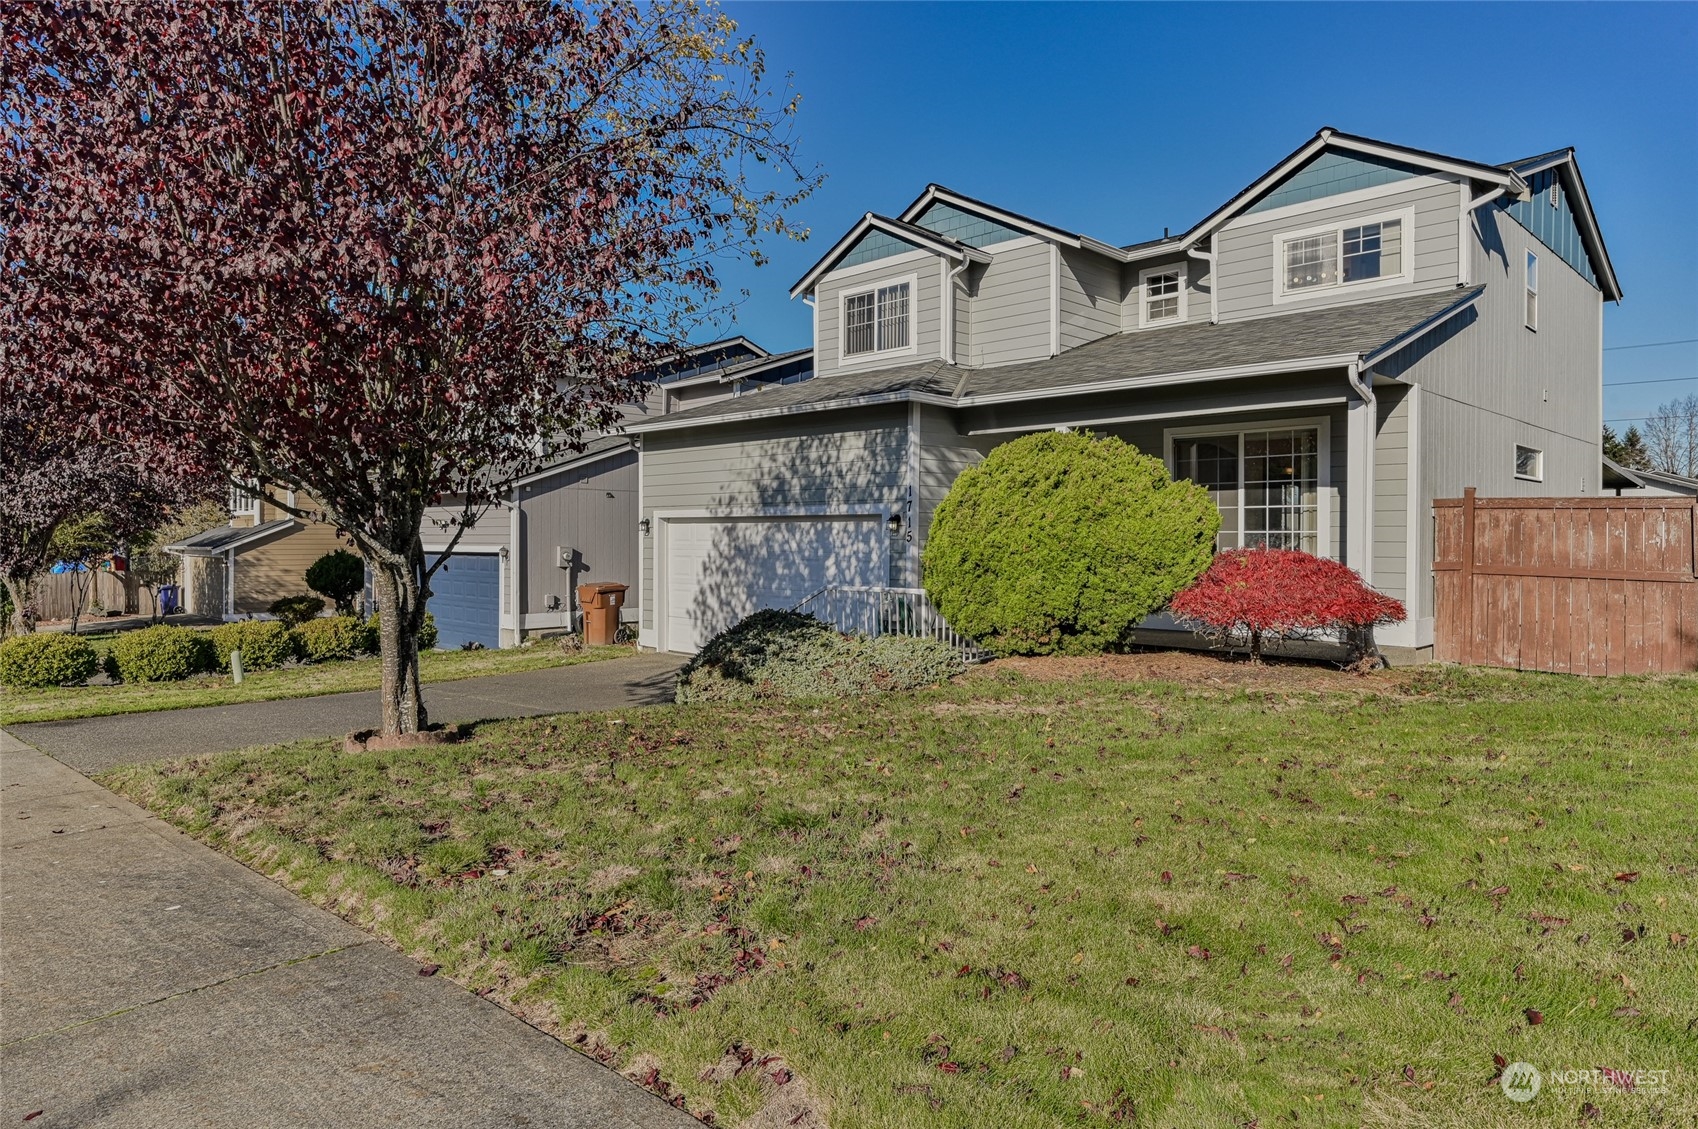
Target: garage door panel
720,571
465,598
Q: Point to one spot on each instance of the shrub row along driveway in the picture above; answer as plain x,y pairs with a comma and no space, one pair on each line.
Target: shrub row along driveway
98,743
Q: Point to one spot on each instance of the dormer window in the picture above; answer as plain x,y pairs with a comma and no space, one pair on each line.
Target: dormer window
1163,295
1347,254
244,501
878,320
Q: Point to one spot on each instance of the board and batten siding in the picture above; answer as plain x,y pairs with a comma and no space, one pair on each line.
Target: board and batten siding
839,460
1010,305
1090,297
1249,249
591,510
925,310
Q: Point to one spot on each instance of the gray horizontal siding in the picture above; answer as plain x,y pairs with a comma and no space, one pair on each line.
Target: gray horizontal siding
846,459
1391,494
1010,307
944,454
1090,297
926,311
1249,267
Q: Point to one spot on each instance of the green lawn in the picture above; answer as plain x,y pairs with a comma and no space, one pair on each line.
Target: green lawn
1012,902
57,704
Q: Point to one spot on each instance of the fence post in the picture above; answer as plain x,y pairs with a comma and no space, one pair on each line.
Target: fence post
1465,577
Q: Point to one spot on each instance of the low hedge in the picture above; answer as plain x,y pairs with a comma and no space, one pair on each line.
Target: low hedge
264,643
781,654
292,611
333,638
31,662
161,654
427,632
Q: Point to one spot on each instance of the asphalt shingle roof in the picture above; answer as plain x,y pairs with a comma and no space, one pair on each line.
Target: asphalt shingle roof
1354,330
222,537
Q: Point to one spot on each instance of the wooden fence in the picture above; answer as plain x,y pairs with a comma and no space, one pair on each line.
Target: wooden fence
1575,585
110,590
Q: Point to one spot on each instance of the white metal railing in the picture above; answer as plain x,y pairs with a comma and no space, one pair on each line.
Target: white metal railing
887,611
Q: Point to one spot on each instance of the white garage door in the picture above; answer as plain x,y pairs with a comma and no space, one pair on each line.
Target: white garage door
717,572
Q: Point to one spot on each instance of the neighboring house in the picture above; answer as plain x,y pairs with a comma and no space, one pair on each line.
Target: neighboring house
1364,328
1628,482
238,570
517,570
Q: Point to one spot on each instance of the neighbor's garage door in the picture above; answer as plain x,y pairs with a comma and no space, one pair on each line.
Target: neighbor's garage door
465,598
717,572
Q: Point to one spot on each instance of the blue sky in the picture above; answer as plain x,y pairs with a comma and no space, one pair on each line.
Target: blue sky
1119,119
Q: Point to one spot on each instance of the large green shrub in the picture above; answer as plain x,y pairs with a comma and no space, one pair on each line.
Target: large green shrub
264,643
30,662
1061,543
427,632
335,637
339,576
780,654
161,654
292,611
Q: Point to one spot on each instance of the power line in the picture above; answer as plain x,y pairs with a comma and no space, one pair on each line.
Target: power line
1662,380
1651,344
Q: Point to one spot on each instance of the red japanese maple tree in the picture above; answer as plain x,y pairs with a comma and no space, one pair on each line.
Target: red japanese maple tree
1247,596
386,254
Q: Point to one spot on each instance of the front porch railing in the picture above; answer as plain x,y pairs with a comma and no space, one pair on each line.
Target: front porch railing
887,611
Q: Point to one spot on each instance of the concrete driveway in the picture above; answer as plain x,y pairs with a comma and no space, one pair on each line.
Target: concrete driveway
94,744
146,980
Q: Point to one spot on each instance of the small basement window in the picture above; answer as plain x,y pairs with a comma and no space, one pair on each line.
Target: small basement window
1529,463
1164,295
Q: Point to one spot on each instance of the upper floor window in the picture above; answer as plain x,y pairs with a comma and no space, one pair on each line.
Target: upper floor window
1342,255
879,320
1532,291
1164,295
244,501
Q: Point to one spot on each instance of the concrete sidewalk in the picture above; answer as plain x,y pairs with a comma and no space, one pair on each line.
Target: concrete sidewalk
94,744
146,980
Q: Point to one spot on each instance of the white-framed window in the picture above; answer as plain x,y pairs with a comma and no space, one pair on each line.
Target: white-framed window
1532,291
1529,463
1268,479
1350,253
1161,295
879,319
244,501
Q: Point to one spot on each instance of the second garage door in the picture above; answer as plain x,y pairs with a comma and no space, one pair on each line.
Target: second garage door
717,572
465,598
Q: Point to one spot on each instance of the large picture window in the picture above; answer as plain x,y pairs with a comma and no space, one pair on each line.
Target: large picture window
1266,481
878,320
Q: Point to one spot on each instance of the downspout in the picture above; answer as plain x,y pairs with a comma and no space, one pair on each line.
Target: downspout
1360,421
1464,259
950,281
1212,257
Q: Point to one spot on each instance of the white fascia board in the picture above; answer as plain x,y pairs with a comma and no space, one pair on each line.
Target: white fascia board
261,533
1196,376
872,400
1505,177
574,463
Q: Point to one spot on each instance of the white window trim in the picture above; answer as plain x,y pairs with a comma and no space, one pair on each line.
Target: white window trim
251,509
1405,216
1323,470
1530,286
844,357
1538,474
1144,277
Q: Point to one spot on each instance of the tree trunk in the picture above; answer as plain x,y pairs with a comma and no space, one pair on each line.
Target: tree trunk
22,589
398,583
1255,646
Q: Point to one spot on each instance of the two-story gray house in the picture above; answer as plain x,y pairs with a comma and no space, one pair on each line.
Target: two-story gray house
1365,328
